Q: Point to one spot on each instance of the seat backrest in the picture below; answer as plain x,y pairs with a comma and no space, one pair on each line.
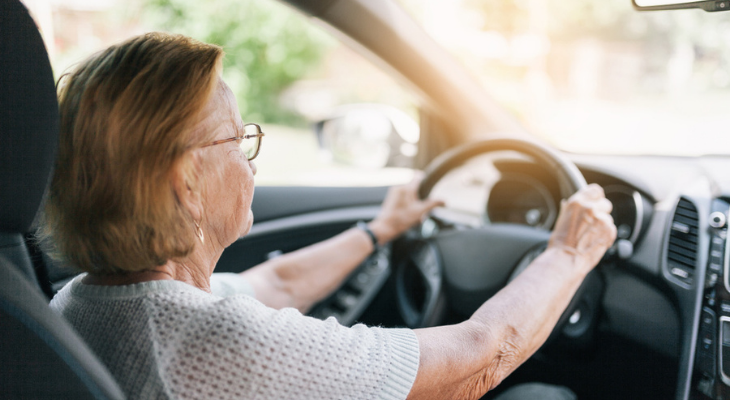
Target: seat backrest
28,111
41,356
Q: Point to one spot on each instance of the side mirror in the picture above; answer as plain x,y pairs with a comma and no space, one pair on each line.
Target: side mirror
369,136
707,5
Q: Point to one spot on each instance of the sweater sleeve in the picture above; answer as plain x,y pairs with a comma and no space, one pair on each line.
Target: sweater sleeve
238,348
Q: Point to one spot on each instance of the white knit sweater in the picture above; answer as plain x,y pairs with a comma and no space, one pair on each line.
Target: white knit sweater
167,339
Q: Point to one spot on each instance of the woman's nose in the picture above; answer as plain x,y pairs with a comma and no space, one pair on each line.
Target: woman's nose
253,167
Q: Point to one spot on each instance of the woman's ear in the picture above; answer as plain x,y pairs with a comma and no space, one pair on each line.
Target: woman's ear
187,193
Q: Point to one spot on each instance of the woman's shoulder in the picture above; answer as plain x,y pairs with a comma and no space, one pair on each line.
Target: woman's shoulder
77,293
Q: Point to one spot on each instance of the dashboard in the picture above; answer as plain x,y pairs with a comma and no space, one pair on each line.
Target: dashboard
666,281
681,253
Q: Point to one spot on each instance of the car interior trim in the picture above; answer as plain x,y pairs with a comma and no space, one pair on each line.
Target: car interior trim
352,298
726,262
343,215
690,295
724,324
639,206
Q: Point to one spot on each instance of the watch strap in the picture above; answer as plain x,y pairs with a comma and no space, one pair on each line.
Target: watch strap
364,227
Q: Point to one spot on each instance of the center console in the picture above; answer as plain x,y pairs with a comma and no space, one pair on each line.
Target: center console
711,374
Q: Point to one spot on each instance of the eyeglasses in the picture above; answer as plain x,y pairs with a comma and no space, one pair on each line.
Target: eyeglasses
250,147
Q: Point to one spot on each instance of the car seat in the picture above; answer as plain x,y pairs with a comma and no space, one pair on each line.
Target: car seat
41,356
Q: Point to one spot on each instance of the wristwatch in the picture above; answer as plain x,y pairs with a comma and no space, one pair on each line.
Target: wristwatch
364,226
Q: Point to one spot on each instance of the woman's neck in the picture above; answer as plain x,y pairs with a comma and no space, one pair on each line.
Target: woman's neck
128,278
193,273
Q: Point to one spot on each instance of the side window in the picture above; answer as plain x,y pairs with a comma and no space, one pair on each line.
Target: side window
331,118
360,128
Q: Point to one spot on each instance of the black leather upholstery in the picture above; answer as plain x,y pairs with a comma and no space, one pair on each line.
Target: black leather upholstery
41,356
13,248
28,118
29,126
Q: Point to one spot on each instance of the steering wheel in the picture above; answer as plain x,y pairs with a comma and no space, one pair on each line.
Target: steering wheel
465,267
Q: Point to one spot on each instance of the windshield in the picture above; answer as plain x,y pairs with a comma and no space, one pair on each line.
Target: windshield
596,76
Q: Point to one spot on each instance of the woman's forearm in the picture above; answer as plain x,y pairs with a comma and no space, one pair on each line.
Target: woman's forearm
301,278
464,361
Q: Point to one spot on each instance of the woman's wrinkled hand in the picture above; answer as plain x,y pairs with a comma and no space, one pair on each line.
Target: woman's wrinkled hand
585,227
401,210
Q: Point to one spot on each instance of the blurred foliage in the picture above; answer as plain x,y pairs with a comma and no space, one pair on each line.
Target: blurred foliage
268,46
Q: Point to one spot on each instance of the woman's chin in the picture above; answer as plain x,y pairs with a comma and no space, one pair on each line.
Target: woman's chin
247,226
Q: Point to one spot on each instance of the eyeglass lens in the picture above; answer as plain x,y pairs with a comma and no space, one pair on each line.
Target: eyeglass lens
250,146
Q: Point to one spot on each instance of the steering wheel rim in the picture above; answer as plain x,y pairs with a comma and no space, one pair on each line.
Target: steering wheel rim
570,179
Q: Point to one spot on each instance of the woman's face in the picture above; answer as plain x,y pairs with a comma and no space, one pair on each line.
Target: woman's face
228,183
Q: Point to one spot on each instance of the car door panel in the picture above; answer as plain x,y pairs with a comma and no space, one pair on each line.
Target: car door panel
289,218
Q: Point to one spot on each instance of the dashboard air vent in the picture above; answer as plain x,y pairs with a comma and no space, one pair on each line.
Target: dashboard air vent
682,248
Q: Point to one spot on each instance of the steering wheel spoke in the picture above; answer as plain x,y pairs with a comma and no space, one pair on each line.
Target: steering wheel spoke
478,262
419,283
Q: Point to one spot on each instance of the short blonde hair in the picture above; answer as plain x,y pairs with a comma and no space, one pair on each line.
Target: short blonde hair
128,118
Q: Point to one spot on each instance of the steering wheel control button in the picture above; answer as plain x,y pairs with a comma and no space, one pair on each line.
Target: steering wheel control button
718,219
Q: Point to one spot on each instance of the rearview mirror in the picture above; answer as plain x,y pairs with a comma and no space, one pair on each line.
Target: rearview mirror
710,6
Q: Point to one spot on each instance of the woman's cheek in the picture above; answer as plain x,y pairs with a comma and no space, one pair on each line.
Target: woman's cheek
247,199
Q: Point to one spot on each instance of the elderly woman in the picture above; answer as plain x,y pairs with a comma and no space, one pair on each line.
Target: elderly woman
154,180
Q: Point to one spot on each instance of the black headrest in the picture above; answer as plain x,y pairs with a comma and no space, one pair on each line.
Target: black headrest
28,118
